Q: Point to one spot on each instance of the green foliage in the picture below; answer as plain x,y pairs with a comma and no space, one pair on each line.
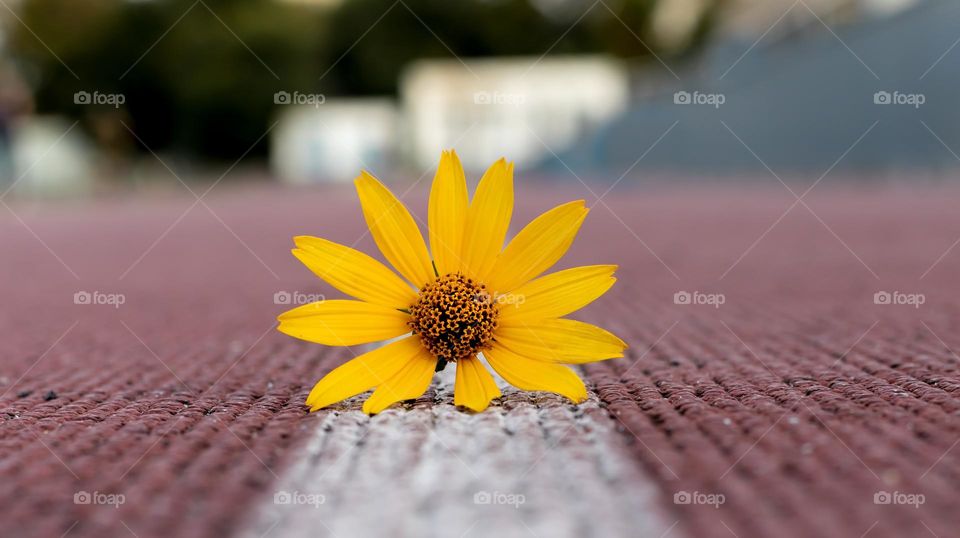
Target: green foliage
466,28
191,83
199,77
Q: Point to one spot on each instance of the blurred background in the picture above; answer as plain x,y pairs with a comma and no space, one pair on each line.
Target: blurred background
102,95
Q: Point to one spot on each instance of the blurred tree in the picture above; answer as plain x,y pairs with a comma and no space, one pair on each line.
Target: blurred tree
197,77
423,29
405,31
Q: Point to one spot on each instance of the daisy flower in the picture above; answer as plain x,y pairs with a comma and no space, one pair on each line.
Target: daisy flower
471,296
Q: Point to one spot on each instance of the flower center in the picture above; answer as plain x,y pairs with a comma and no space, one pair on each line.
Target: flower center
455,317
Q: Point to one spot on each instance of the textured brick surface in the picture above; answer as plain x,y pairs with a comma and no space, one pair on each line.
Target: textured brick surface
798,399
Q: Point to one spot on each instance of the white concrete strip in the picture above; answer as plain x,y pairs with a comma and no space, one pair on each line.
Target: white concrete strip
529,466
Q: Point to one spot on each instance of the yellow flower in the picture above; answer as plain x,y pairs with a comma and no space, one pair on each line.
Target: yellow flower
471,297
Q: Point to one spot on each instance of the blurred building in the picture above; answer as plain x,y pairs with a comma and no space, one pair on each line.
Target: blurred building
525,108
51,157
330,140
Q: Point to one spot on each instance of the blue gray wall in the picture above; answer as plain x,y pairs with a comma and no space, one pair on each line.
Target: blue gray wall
799,102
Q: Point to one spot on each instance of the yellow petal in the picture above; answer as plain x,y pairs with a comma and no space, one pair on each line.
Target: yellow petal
474,386
343,323
353,272
557,294
561,340
488,219
447,213
394,230
528,374
537,247
411,381
363,373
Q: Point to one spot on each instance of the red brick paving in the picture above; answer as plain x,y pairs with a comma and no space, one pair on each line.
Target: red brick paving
798,399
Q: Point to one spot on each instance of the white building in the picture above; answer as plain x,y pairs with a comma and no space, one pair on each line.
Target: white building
50,157
525,108
333,139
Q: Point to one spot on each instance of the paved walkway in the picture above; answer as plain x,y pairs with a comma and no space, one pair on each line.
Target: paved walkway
797,407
